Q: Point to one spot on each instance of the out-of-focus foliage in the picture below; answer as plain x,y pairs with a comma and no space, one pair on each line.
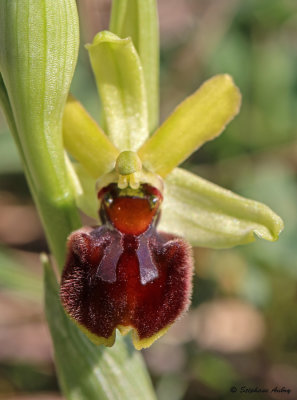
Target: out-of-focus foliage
242,327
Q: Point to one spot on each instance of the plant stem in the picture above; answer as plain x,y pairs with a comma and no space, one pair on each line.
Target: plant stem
59,215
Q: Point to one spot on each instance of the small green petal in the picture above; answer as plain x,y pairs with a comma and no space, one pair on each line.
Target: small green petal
139,20
119,76
85,141
210,216
201,117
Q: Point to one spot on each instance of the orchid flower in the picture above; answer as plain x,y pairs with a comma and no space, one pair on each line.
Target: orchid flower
126,274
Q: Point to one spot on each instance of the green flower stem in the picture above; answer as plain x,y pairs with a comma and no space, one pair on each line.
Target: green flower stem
59,216
138,19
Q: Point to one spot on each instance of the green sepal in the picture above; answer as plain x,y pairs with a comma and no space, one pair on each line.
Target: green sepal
139,20
119,77
209,216
199,118
87,371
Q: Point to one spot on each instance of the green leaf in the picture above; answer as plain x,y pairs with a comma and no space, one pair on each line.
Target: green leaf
37,61
139,20
119,76
199,118
87,371
85,140
38,51
210,216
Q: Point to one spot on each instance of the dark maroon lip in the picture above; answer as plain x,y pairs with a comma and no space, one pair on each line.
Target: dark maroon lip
125,273
111,280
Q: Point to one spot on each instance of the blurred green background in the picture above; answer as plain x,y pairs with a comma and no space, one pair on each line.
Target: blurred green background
242,326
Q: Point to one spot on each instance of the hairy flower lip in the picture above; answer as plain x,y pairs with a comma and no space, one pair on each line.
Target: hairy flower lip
119,277
149,306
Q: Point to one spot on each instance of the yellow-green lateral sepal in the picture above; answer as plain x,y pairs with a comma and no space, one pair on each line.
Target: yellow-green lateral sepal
86,370
119,76
201,117
85,140
210,216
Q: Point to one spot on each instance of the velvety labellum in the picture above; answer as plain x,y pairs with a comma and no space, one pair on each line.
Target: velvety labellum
124,274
